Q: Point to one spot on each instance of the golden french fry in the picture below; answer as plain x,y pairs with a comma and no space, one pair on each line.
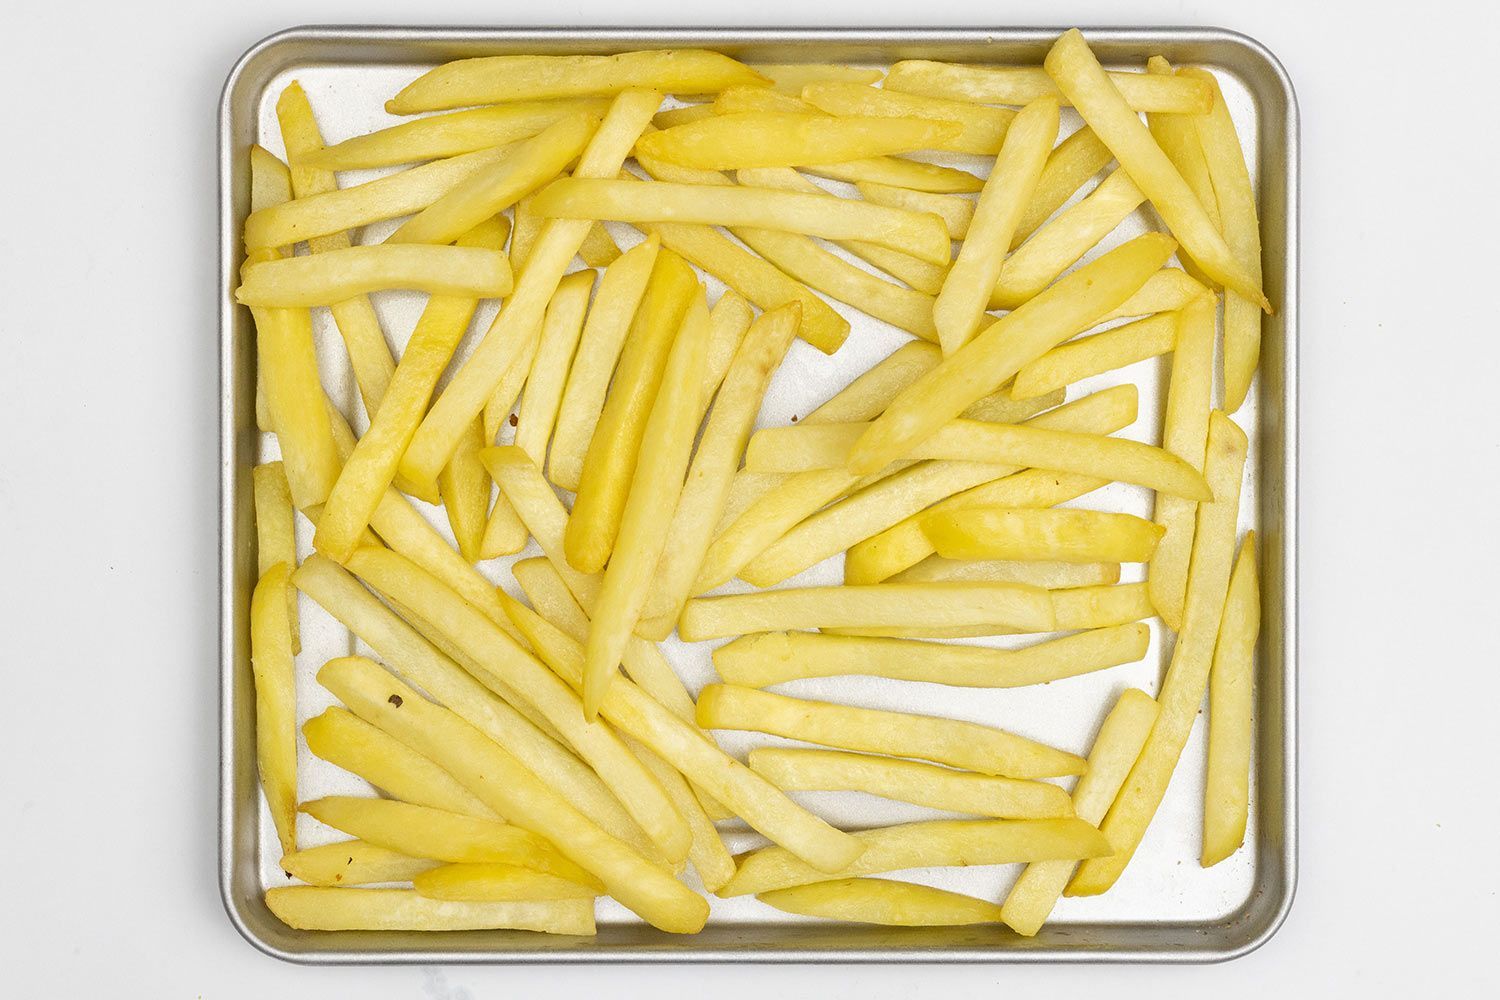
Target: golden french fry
1187,675
1168,290
931,844
910,781
504,532
1112,349
313,908
342,274
960,306
496,882
346,741
353,862
1039,573
1226,794
681,116
1079,76
507,787
957,212
775,657
896,734
898,171
519,321
1115,750
729,141
882,901
791,78
999,351
272,661
1023,84
498,79
465,488
614,449
1068,535
275,534
294,397
1069,166
528,226
739,100
599,249
983,129
561,331
497,186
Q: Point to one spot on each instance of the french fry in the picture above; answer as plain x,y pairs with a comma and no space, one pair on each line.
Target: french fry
511,790
1067,535
1060,243
1168,290
1024,84
614,449
298,408
353,862
1069,166
527,227
1231,179
983,129
496,883
275,535
764,807
1187,676
313,908
775,657
501,405
882,901
1226,794
338,275
740,100
1040,573
710,858
655,488
718,455
681,116
1073,608
272,661
960,305
1079,359
497,186
898,171
519,320
621,289
599,249
465,489
1115,750
504,532
920,275
561,331
896,734
729,141
728,322
346,741
957,212
998,352
270,184
1079,76
1178,137
791,78
930,844
490,649
499,79
910,781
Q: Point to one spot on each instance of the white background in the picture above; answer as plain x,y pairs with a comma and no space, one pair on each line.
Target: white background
108,506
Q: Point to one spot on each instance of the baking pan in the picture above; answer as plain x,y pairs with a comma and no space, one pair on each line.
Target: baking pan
1164,909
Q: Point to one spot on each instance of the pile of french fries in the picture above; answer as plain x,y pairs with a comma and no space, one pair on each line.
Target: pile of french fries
533,756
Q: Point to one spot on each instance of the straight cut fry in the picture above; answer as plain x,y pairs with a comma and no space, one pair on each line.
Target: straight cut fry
1069,166
910,781
778,139
1226,794
1023,84
501,404
275,531
1112,349
896,734
1073,608
957,212
791,78
310,908
352,862
561,331
465,488
297,405
338,275
710,858
960,305
496,883
740,100
1041,573
883,901
1168,290
1187,676
776,657
983,129
931,844
1115,750
272,661
899,171
1068,535
1178,137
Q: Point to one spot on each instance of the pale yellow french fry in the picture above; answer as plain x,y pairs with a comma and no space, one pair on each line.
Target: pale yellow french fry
275,536
1060,243
599,249
1073,608
739,100
500,407
1069,166
621,289
871,392
519,321
314,908
273,665
710,858
1079,76
932,844
714,463
1168,290
998,352
983,129
344,740
790,78
498,79
775,657
338,275
1231,178
728,322
1187,676
1178,137
1115,750
549,369
910,781
920,275
528,226
504,532
497,186
957,212
1023,84
613,451
681,116
1115,348
507,787
496,883
1039,573
899,172
490,649
960,306
270,184
764,807
465,488
414,657
655,488
897,734
729,141
295,400
882,901
353,862
1226,793
1064,534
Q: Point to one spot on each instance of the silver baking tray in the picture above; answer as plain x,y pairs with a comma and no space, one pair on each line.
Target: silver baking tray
1164,909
